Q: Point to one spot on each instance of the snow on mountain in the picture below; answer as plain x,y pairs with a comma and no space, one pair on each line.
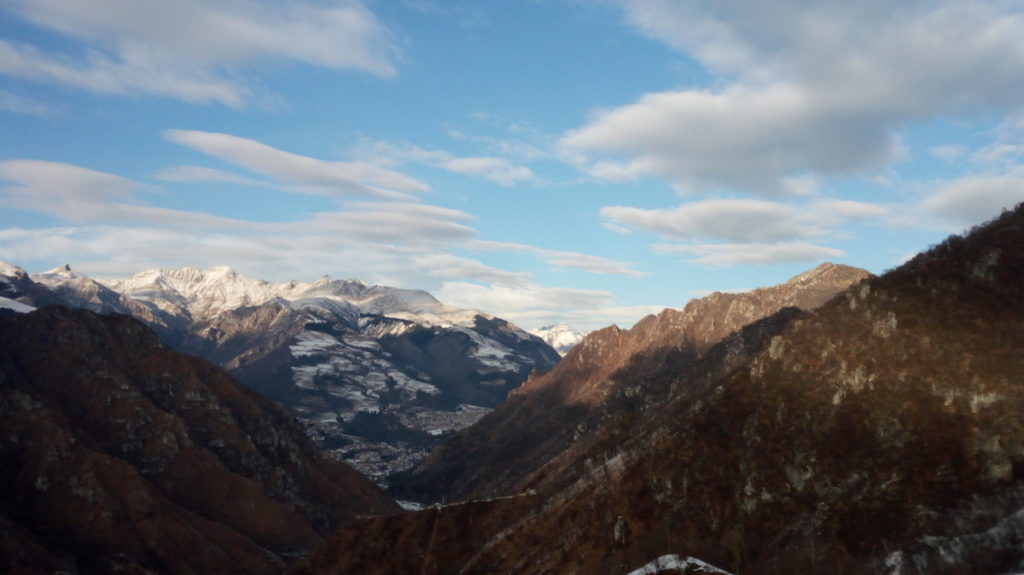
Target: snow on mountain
16,306
560,336
373,371
207,293
674,564
8,272
78,290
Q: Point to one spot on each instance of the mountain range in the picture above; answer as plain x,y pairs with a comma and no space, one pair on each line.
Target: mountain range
377,374
881,432
836,423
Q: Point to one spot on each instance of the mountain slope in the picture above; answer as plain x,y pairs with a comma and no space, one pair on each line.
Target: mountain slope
376,373
882,433
119,453
550,411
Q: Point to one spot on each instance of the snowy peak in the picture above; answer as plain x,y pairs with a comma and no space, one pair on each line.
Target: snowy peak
204,293
79,290
8,271
210,292
559,336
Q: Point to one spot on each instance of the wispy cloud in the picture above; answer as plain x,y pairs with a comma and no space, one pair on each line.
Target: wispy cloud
501,171
310,175
83,196
561,259
752,253
114,229
741,231
201,174
730,220
10,102
192,50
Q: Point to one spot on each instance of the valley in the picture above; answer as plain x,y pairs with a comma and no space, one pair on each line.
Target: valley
836,423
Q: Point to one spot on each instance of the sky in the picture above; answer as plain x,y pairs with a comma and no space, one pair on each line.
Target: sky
545,161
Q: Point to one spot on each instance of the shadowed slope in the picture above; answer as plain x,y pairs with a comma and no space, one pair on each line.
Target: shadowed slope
119,453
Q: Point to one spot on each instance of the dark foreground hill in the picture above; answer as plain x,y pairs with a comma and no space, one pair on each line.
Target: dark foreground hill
120,455
881,433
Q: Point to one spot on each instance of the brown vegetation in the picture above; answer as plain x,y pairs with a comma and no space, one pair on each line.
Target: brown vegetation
120,454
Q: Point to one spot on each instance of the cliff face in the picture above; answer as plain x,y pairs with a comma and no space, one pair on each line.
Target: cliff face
882,433
544,416
119,453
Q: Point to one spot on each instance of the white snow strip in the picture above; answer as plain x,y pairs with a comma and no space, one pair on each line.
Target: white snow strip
410,505
666,562
17,306
312,342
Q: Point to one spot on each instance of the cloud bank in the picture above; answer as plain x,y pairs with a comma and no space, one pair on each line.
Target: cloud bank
193,50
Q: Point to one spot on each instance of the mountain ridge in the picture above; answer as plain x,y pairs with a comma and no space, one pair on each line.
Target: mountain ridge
543,414
378,374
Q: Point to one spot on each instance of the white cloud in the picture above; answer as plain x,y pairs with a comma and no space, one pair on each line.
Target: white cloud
752,253
310,174
499,170
531,305
42,181
834,212
80,195
201,174
974,199
729,232
393,223
143,73
113,231
502,171
192,50
561,259
10,102
730,220
448,266
817,90
522,299
948,152
749,139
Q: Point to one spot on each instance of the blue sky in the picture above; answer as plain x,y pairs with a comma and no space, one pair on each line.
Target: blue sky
542,160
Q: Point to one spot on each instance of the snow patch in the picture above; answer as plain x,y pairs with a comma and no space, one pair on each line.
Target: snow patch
353,368
16,306
10,271
489,353
684,565
561,337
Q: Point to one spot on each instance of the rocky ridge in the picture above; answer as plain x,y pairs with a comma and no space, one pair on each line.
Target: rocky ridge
545,415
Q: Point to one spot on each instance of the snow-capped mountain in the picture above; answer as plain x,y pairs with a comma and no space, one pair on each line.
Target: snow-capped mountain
377,373
559,336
